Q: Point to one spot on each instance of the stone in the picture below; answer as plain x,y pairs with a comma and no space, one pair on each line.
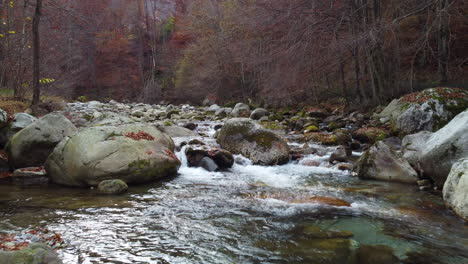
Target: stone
213,108
31,146
36,253
208,164
241,110
133,153
444,148
412,145
428,110
222,158
259,113
339,154
4,118
244,136
455,191
20,121
380,162
112,187
30,176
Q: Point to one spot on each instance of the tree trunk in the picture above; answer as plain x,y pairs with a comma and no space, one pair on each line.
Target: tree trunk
36,52
443,41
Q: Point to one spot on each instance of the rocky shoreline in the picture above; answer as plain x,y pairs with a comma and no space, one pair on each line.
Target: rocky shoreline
420,139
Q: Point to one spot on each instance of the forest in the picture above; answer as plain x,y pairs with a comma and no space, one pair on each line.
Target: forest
233,131
274,53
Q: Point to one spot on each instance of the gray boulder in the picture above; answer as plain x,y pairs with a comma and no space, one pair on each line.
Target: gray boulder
36,253
259,113
241,110
20,121
133,153
412,145
31,146
244,136
428,110
213,108
456,188
382,163
444,148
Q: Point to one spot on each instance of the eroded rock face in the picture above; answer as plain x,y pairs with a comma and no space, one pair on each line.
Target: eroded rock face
456,188
444,148
244,136
32,145
428,110
133,153
382,163
412,145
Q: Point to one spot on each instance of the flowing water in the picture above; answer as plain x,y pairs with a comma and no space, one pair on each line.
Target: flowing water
251,214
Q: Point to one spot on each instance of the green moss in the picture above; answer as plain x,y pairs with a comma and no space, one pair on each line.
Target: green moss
82,99
88,117
167,123
312,128
460,174
272,125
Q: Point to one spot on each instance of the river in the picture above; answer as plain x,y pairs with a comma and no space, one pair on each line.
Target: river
251,214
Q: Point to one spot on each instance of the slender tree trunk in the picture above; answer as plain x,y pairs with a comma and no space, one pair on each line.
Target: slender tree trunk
36,52
443,39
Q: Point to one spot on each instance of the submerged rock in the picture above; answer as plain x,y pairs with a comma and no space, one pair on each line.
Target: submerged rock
36,253
382,163
244,136
31,146
456,189
112,187
134,153
376,254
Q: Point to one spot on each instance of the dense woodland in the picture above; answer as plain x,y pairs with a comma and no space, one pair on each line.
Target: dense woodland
274,53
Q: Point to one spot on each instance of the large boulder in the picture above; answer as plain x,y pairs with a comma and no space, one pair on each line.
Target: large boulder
428,110
380,162
444,148
456,188
32,145
241,110
244,136
20,121
36,253
412,145
133,153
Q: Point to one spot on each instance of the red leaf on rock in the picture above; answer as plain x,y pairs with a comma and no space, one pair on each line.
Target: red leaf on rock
139,136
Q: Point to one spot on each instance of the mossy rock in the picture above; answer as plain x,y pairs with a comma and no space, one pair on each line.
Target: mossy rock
370,134
315,232
328,139
244,136
113,187
36,253
311,128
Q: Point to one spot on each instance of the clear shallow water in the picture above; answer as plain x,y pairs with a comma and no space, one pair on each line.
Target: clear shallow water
249,215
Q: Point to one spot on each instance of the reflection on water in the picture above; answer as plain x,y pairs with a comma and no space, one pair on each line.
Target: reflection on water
248,215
